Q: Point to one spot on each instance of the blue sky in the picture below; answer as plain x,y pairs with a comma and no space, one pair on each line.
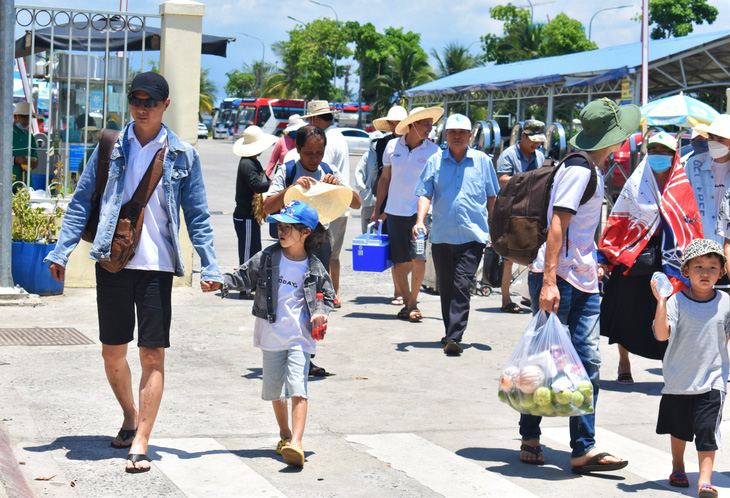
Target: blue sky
439,22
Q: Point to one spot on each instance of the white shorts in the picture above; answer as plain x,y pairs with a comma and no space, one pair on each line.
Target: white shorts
285,374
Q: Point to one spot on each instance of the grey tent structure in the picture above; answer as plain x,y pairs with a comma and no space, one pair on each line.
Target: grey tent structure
120,36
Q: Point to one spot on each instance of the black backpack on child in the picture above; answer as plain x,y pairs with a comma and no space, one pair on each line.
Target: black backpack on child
518,224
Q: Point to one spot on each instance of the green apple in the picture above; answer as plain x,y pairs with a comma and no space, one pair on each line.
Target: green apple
563,410
528,401
564,397
578,398
542,396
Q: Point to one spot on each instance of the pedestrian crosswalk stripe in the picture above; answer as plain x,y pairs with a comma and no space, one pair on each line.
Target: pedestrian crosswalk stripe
437,468
645,461
204,467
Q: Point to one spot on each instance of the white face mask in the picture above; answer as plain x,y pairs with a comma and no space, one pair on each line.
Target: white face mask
717,150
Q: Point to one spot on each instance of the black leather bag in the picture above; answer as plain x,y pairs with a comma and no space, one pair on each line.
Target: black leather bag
649,259
493,268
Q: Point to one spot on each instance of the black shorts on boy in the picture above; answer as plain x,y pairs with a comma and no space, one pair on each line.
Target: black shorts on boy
692,416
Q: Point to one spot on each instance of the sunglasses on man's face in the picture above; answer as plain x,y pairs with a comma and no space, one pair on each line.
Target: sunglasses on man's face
148,103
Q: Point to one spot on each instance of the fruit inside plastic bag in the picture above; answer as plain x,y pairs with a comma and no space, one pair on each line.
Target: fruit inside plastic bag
544,376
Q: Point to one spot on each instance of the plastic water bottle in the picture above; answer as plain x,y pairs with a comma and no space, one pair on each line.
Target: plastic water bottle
318,332
420,242
664,287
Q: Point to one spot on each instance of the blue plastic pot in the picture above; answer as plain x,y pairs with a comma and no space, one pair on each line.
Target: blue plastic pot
29,270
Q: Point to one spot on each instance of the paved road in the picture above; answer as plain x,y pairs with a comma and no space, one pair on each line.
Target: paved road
396,418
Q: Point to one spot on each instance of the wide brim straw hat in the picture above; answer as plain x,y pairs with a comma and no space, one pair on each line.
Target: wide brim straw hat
23,109
701,130
417,114
330,201
720,127
295,122
605,124
317,108
395,113
253,142
702,247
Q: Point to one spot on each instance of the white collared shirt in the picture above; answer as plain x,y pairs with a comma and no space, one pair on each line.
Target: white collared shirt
405,169
155,249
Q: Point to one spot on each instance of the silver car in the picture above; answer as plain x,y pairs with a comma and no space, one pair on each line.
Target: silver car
357,140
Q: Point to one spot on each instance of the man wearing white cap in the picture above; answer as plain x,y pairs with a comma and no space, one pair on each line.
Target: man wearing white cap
709,174
403,161
23,142
337,155
519,158
462,185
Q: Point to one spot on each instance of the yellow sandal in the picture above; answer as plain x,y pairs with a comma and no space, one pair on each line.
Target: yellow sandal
281,445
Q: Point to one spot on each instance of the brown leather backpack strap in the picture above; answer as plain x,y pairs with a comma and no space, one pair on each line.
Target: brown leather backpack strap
147,185
106,146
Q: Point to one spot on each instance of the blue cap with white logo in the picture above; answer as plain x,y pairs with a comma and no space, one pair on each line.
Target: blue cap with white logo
296,212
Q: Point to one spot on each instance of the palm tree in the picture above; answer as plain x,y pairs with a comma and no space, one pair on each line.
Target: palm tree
207,93
522,43
404,70
455,58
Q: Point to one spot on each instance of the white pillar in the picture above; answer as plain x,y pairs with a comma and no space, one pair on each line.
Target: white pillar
181,39
182,31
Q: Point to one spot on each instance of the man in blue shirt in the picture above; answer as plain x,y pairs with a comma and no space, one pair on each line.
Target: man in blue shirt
462,185
519,158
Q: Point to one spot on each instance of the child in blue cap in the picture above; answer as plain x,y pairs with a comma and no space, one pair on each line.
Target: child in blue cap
287,277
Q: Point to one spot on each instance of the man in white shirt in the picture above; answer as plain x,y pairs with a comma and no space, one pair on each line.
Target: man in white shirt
403,160
143,289
337,155
564,277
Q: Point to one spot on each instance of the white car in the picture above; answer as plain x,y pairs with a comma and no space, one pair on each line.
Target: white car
202,130
357,140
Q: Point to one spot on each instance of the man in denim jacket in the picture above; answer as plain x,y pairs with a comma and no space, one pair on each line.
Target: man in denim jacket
146,281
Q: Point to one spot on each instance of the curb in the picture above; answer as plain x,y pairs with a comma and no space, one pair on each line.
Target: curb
12,481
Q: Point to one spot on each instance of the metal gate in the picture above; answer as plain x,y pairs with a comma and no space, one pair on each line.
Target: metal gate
74,66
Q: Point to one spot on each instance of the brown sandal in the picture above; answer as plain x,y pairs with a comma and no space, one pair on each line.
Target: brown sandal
403,314
535,450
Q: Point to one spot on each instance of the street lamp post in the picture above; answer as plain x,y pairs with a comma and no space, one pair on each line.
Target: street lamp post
263,55
297,20
603,10
532,11
334,76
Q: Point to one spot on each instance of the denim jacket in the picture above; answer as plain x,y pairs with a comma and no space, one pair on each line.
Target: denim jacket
261,272
182,181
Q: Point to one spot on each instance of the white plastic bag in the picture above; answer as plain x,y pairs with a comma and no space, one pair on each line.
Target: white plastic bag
544,376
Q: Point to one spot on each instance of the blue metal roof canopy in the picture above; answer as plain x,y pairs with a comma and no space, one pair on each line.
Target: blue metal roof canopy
579,69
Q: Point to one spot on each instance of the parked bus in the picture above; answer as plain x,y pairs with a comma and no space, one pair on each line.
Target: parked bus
271,115
348,117
221,120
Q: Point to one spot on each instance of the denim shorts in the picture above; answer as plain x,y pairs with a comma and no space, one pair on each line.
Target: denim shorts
285,374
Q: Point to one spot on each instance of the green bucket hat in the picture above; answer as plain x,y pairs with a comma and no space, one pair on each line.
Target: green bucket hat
605,124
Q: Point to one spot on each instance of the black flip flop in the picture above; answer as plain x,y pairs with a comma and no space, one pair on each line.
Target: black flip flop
316,371
535,450
592,465
511,308
124,434
134,458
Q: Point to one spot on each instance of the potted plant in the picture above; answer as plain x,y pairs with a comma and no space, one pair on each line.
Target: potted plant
33,232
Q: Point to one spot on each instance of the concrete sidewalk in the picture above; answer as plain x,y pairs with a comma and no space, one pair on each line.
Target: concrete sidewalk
389,378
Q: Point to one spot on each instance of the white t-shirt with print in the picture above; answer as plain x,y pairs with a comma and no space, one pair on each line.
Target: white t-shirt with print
290,330
579,267
154,250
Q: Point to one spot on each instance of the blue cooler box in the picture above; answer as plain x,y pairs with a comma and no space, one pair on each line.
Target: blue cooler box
371,251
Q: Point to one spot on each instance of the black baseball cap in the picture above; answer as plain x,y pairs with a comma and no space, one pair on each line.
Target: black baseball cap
152,84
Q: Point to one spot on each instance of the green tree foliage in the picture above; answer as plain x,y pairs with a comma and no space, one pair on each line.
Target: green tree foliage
309,56
247,82
453,59
405,69
563,35
522,40
207,92
676,17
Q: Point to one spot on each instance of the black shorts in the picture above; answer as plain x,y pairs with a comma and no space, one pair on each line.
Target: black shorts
400,236
689,416
117,295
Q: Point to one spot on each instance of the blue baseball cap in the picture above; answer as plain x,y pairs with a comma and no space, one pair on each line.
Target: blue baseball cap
296,212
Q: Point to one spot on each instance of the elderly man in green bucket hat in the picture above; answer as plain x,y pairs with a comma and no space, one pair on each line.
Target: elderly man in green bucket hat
564,277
